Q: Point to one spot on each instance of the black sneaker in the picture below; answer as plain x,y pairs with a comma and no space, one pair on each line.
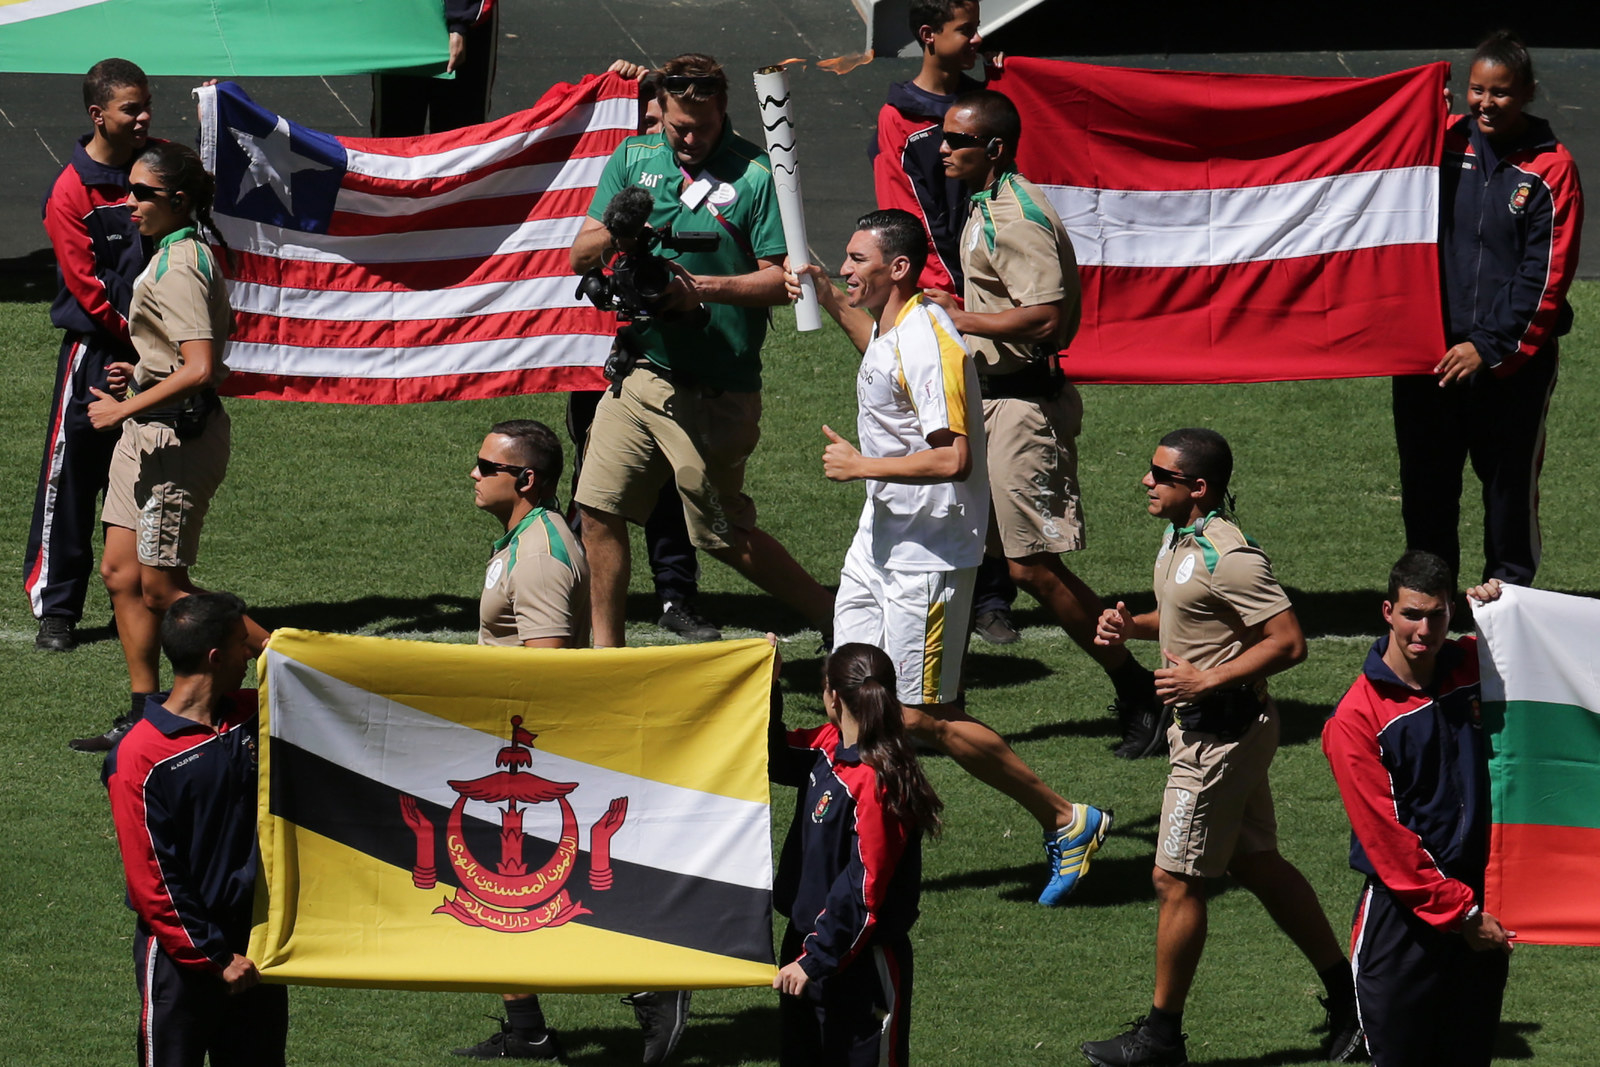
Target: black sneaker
107,741
1345,1042
997,628
1144,727
682,618
662,1017
1139,1047
56,634
508,1046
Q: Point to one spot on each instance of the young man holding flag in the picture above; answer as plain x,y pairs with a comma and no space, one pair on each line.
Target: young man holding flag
1407,748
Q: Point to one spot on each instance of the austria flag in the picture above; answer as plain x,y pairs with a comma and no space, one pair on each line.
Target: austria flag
1238,227
408,269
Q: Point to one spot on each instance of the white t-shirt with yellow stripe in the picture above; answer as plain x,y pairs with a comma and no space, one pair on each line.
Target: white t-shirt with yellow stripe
916,379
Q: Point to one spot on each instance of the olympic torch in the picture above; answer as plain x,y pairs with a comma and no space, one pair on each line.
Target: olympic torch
772,94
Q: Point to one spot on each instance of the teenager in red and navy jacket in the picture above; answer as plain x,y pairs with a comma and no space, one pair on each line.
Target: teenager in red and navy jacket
850,877
183,797
98,253
907,169
1407,749
1511,212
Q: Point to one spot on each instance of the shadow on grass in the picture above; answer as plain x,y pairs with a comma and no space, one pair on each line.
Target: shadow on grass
1268,1059
1111,881
435,611
712,1039
1299,722
1510,1044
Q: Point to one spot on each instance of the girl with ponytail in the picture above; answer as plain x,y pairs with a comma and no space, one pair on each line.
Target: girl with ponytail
850,877
175,441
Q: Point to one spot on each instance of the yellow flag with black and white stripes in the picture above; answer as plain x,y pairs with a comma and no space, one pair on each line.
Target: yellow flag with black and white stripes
476,818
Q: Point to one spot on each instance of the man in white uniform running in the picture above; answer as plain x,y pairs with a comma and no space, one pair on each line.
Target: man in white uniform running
907,580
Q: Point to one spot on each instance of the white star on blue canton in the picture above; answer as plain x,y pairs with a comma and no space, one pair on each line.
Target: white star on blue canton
273,162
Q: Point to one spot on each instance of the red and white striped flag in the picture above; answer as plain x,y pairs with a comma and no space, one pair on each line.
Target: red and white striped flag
1241,227
412,269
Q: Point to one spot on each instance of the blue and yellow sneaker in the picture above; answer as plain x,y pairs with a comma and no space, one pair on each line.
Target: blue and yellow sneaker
1070,849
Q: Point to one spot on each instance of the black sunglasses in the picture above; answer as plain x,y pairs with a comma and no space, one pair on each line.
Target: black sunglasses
488,468
1162,476
678,84
958,141
141,191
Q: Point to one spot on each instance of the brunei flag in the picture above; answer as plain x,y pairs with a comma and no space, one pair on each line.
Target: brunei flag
1540,660
474,818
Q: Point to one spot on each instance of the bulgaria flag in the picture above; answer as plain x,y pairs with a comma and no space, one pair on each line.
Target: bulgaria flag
461,817
224,38
409,269
1241,227
1540,661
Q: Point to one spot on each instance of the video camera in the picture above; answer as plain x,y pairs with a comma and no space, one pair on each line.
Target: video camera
639,279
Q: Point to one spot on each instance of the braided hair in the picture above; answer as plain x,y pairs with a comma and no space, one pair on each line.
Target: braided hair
863,678
182,174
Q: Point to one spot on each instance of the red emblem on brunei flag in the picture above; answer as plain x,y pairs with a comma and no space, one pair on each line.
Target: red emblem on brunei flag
508,897
422,801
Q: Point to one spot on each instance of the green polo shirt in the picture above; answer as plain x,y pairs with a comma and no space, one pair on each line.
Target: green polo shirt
727,353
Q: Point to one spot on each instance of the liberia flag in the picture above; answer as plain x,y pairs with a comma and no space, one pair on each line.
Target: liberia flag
1241,227
410,269
443,816
1541,709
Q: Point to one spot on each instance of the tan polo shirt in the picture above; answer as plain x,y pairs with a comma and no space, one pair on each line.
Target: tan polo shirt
179,296
536,585
1214,589
1016,253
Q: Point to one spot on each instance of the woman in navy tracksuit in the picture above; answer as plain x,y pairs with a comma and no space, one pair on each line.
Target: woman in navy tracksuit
1511,211
851,871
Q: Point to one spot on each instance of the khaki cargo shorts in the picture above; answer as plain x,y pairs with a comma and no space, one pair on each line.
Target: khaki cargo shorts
161,487
1033,475
1218,803
654,431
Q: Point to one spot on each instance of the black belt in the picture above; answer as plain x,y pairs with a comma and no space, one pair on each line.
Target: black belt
1039,379
188,420
1226,714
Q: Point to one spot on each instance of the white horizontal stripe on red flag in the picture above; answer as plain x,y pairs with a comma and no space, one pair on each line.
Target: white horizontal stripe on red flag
1219,227
466,243
581,173
511,353
615,114
532,294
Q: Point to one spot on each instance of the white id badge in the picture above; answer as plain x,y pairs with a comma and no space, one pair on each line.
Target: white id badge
695,194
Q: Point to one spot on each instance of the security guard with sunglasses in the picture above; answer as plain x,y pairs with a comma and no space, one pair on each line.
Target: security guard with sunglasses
1224,624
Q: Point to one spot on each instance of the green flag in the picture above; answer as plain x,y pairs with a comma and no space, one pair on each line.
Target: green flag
224,38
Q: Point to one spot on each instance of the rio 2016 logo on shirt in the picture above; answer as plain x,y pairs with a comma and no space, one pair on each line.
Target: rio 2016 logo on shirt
492,576
1185,569
1519,198
820,812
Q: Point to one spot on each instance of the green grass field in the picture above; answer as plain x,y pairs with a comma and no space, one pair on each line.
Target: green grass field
361,520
